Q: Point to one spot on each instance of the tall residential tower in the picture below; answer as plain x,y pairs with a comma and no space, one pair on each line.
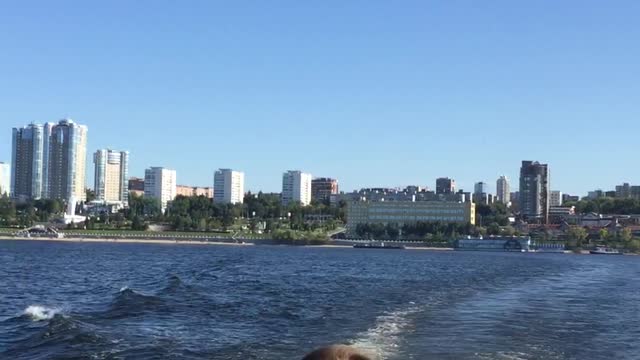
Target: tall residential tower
296,187
111,176
534,191
503,194
66,163
160,183
228,186
27,162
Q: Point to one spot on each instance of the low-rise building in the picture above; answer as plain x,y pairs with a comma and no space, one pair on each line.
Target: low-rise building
570,198
136,186
555,198
623,191
595,194
408,212
189,191
410,193
559,214
483,198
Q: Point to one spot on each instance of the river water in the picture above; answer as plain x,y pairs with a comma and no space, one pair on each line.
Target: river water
143,301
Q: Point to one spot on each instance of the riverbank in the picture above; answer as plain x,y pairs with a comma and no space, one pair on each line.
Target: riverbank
190,242
127,241
231,242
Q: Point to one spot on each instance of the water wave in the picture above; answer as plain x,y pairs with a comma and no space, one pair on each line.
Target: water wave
55,336
174,284
40,313
130,303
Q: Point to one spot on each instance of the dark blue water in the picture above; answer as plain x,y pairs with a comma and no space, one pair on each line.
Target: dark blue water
128,301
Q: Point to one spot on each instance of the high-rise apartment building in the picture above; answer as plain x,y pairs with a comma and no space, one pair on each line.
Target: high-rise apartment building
534,191
160,183
296,187
27,160
111,175
555,198
66,160
503,194
481,193
323,188
49,161
228,186
5,179
445,186
481,188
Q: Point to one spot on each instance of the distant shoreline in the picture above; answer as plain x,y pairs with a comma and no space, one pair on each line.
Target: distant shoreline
188,242
126,241
220,243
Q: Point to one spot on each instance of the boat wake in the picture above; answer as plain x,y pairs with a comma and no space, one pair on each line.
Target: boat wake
384,339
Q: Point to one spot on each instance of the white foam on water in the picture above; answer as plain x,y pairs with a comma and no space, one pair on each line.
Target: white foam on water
39,313
383,340
123,289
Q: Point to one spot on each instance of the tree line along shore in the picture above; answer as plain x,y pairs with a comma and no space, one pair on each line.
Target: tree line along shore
262,216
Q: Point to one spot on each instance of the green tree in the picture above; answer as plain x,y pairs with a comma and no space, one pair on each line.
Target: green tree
626,235
577,233
7,211
508,230
393,231
604,234
138,224
577,236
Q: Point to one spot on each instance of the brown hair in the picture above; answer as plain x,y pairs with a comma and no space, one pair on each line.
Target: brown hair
336,352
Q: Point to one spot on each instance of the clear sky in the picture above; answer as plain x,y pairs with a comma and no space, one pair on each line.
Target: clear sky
374,93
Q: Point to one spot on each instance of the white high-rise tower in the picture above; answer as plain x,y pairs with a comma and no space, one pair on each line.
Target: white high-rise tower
228,186
296,186
160,183
503,193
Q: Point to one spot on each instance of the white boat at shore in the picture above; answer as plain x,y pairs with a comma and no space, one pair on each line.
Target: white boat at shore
604,250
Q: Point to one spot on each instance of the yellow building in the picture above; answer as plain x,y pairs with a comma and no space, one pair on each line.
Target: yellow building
408,212
111,172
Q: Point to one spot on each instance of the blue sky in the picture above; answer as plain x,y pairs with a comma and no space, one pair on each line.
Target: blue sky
374,93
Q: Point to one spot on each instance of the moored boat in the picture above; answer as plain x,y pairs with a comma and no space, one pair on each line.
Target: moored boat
380,245
604,250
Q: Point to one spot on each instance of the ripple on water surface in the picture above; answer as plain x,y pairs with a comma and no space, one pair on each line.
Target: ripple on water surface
146,302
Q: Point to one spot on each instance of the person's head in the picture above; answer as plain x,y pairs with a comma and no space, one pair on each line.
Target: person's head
336,352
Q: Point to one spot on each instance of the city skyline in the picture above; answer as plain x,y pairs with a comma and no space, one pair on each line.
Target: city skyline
342,96
45,131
